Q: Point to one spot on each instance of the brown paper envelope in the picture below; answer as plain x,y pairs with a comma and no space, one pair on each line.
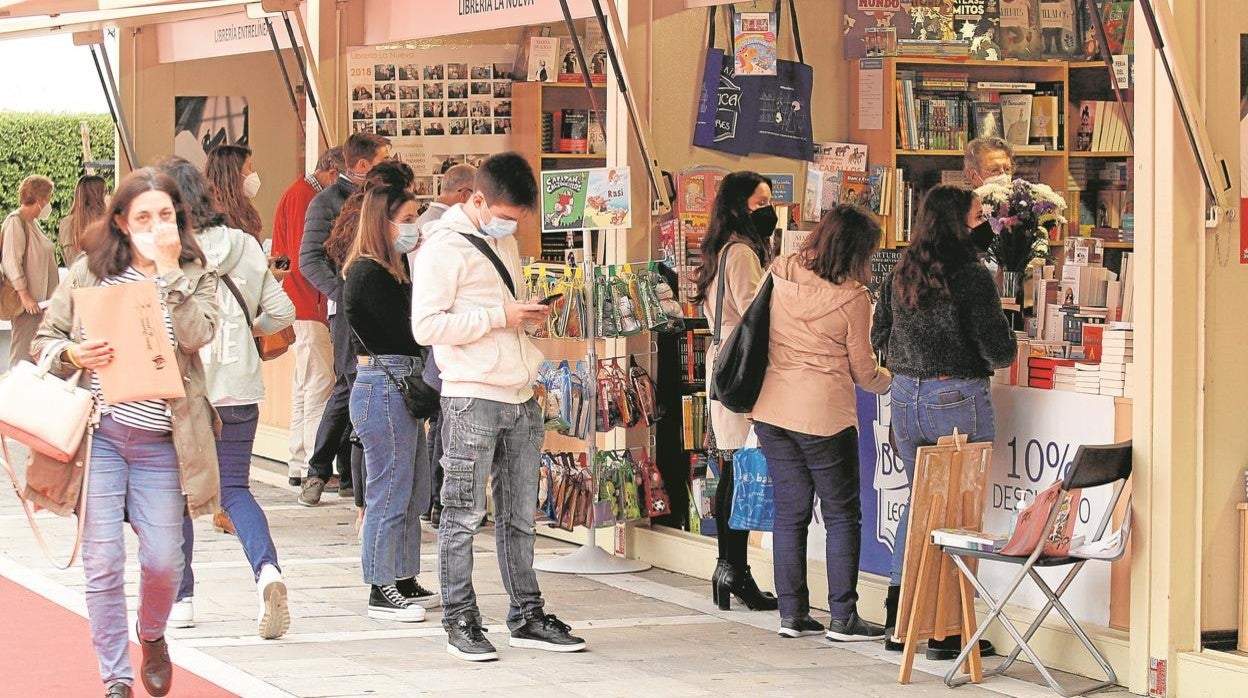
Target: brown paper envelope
129,317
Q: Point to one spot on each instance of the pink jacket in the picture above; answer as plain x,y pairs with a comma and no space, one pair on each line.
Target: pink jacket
820,349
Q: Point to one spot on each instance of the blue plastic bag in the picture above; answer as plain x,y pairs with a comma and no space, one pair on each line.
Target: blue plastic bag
753,495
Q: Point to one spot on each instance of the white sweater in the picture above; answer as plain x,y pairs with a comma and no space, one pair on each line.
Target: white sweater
457,309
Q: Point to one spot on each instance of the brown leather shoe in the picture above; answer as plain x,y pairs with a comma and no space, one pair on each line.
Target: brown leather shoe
221,522
118,689
156,670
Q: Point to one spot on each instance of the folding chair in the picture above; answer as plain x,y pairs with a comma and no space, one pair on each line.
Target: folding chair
1093,466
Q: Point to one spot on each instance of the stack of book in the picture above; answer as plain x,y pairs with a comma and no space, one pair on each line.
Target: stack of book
693,413
1116,359
1065,377
1088,378
1042,371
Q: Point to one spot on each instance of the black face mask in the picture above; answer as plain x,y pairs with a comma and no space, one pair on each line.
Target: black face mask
981,236
764,220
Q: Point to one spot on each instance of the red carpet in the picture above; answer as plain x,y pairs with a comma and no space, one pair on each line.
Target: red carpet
47,651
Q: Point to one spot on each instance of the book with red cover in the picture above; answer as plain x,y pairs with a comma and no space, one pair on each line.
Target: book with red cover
1093,340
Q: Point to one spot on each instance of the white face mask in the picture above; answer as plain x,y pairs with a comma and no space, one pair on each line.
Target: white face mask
145,243
251,185
998,179
45,212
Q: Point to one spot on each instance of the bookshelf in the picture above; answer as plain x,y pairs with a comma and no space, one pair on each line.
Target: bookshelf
529,100
1078,81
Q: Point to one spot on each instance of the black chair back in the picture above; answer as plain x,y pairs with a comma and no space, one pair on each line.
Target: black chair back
1099,465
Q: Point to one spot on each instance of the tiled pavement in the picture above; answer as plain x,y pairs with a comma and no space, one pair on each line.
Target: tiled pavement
650,634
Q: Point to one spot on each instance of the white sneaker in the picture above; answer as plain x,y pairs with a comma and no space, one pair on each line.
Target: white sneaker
182,615
274,618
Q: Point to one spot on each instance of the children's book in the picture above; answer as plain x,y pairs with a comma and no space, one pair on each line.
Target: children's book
870,27
1020,29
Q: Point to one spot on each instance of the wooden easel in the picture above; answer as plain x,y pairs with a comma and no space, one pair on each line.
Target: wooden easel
948,491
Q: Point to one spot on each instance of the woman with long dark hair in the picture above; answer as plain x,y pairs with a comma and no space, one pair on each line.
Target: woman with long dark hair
251,300
151,460
235,183
737,243
90,194
940,324
806,416
377,300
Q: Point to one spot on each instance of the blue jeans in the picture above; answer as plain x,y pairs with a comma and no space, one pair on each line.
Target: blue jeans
802,466
923,411
396,466
238,434
481,438
134,471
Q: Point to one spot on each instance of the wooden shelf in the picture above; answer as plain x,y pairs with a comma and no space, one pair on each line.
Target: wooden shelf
1101,154
968,63
1108,245
959,153
566,85
573,156
1087,65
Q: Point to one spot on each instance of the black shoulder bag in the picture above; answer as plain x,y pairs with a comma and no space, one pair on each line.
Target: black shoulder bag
421,399
491,255
741,362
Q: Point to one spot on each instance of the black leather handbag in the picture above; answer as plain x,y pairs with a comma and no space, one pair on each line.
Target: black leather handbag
421,399
741,361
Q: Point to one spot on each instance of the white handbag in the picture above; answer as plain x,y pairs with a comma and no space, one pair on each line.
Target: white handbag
51,416
47,413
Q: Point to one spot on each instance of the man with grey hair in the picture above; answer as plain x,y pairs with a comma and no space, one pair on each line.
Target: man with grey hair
986,160
457,186
314,356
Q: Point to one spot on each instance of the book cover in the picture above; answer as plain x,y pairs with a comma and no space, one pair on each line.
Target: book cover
870,27
1020,29
1016,118
877,182
1117,17
608,202
1044,122
781,188
987,117
840,157
1086,129
574,131
978,23
563,199
754,42
855,189
1057,28
1092,336
931,20
543,59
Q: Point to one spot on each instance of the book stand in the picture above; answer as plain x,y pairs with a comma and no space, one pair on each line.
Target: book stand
949,484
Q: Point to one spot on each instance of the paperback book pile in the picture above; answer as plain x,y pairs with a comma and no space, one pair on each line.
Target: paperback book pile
1087,378
969,540
1116,358
1042,372
1065,376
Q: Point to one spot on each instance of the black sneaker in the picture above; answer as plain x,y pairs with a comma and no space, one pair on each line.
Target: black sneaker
294,481
465,639
893,643
854,629
435,515
800,626
543,631
386,603
415,593
951,647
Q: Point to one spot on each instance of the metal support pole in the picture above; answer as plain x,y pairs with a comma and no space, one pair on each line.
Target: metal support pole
308,80
281,63
105,71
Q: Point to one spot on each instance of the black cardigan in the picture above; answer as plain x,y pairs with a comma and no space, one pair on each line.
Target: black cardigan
379,309
964,335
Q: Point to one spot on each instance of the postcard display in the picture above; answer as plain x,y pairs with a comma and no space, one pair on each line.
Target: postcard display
580,202
439,106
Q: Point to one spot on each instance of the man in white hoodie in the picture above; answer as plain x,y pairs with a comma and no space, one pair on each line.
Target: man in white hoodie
464,306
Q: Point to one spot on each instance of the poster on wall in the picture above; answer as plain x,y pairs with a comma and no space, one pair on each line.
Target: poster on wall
591,199
203,123
439,106
1243,149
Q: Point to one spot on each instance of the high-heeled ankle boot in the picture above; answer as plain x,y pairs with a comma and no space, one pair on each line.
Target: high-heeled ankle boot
890,620
721,585
746,589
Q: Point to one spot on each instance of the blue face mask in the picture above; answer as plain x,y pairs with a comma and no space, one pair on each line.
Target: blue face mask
498,228
409,237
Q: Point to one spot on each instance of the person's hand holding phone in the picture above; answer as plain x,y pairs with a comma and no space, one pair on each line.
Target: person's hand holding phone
521,314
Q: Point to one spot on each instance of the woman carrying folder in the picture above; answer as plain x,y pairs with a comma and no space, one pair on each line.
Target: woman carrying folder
152,459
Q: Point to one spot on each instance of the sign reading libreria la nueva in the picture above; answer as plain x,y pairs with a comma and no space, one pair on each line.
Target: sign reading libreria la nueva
473,7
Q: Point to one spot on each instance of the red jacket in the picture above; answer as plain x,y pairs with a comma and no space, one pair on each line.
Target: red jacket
310,304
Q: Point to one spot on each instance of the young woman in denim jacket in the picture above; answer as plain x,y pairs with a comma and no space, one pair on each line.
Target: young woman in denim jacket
377,300
940,324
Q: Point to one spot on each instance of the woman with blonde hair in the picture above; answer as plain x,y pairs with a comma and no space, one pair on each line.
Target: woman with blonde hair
27,264
152,461
90,203
377,300
235,183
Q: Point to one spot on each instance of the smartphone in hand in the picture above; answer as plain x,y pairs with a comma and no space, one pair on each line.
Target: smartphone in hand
548,300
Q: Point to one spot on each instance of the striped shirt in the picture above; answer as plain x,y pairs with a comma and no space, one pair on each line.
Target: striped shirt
151,415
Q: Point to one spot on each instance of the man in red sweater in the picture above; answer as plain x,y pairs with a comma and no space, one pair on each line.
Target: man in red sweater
314,359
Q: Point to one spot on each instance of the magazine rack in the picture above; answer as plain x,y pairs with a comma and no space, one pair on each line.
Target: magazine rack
950,481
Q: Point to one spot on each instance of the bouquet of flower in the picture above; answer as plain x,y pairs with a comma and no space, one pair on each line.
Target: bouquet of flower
1021,214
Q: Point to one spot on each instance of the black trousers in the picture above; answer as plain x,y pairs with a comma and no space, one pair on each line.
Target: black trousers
435,456
732,543
333,437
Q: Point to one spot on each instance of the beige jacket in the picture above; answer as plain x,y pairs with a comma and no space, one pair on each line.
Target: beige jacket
191,296
742,272
820,349
28,258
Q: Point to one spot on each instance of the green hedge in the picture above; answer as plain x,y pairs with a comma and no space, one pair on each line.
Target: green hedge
50,145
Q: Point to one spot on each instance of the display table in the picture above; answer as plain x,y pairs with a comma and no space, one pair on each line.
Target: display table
1038,433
